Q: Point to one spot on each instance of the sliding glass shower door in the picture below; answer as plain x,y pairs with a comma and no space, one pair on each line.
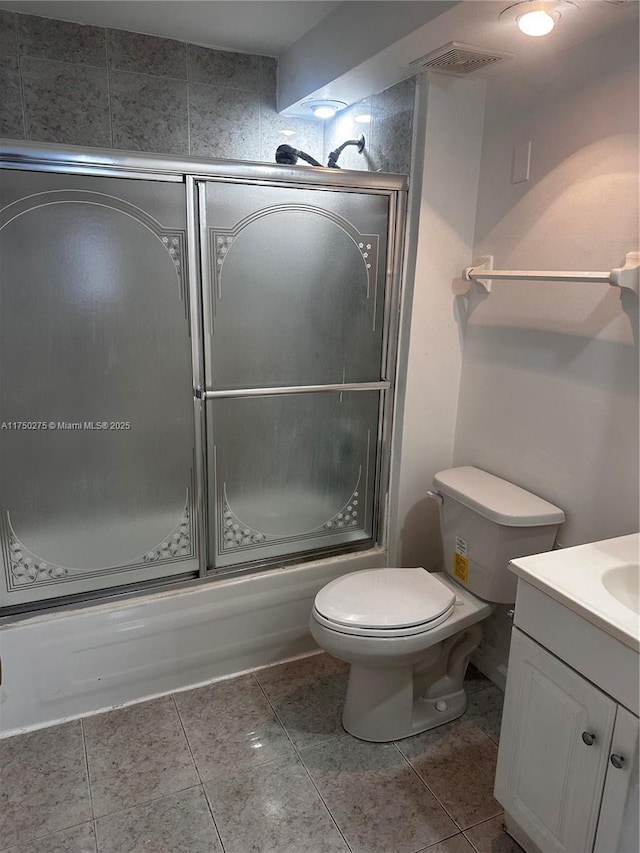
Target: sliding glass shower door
295,345
96,427
137,292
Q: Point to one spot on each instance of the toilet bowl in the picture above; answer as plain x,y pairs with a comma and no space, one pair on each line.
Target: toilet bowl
408,633
390,658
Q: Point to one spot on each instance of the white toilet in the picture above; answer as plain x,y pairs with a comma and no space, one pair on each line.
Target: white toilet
408,634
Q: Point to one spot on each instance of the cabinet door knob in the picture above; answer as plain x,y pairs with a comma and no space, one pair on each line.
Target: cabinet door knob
617,761
588,738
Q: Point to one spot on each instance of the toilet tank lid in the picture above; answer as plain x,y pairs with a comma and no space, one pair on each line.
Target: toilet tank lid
496,499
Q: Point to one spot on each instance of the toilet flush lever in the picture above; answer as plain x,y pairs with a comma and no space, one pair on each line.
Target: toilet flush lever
436,496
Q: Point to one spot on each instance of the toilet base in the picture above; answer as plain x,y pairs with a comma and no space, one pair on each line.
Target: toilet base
380,724
385,704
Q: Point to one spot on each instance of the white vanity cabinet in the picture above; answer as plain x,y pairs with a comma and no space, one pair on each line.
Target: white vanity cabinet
619,813
567,772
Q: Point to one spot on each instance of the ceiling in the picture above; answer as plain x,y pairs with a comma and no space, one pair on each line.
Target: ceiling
266,27
343,51
342,60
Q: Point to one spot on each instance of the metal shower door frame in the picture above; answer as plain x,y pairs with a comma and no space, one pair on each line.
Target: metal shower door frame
191,171
356,183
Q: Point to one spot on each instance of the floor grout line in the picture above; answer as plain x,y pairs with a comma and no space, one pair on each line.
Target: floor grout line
430,789
436,843
186,737
442,841
147,802
93,821
297,749
484,820
480,823
476,849
195,765
469,841
86,765
18,845
324,802
215,825
275,713
301,760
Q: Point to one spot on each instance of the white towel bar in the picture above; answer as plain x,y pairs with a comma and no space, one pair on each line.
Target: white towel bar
626,276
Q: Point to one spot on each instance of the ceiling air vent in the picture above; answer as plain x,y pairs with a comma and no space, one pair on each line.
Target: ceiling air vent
460,59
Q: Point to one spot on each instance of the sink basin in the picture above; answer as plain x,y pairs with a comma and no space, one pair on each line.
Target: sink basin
599,581
623,583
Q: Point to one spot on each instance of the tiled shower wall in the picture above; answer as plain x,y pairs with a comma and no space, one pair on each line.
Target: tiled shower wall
83,85
388,135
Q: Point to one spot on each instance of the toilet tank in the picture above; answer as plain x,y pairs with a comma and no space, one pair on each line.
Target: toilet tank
486,522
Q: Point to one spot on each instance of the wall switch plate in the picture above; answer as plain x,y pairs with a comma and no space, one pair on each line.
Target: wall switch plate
521,163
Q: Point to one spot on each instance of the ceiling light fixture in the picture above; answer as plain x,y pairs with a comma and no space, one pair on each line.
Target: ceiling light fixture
537,17
537,23
325,109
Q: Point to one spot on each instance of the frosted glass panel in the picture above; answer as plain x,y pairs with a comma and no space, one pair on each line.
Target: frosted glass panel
296,281
96,486
290,473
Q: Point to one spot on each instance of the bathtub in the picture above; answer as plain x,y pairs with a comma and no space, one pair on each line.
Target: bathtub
64,664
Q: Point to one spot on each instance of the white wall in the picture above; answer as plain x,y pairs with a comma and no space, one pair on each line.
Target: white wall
448,121
549,387
549,391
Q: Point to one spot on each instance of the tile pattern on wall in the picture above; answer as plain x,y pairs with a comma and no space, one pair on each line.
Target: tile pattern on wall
65,102
145,108
83,85
253,763
224,122
224,68
61,41
388,135
11,118
8,39
143,54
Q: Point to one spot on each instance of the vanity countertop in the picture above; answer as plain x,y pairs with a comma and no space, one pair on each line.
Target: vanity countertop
598,581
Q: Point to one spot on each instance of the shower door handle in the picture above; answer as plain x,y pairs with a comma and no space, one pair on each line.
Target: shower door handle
201,394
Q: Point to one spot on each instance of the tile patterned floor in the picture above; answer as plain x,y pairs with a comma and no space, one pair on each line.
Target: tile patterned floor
256,764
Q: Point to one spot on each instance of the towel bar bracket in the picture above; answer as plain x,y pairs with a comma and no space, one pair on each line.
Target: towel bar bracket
484,264
628,276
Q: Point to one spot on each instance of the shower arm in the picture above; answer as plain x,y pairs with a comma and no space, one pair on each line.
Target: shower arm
333,157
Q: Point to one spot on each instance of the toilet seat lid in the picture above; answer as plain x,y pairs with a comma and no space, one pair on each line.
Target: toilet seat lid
384,598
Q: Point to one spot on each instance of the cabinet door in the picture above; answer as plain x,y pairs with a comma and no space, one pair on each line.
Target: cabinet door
618,824
548,778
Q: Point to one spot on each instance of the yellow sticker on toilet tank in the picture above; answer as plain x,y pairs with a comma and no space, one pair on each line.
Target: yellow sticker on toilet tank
461,567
